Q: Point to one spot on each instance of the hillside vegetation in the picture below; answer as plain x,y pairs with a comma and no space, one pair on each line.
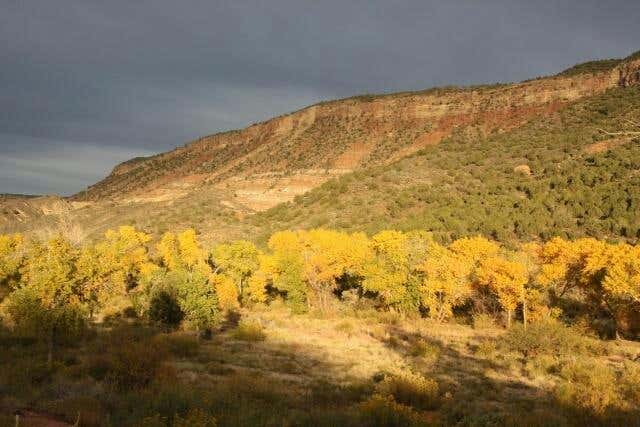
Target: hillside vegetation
270,162
556,175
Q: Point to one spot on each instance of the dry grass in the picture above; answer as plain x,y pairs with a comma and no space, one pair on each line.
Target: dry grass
278,368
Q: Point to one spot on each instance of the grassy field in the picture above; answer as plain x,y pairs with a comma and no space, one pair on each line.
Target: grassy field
344,367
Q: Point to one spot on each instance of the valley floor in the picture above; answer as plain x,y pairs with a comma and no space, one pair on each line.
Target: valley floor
274,368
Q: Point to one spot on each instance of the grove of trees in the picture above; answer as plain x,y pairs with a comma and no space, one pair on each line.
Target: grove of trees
52,289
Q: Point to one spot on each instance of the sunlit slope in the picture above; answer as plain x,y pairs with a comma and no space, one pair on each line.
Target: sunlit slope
271,162
556,175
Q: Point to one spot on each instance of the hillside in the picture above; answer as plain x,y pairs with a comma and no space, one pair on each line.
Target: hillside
556,175
441,159
271,162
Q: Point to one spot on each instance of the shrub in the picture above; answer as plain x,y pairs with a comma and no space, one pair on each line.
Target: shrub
587,384
410,389
345,327
548,336
483,321
630,382
249,331
421,348
135,365
381,410
540,365
486,348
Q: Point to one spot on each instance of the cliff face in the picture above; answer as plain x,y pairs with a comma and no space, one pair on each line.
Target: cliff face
270,162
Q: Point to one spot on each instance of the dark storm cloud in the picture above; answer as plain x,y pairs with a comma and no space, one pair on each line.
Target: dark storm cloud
86,84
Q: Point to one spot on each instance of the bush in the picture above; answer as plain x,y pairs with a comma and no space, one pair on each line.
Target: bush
135,365
589,385
486,348
483,321
384,411
421,348
548,336
249,331
631,382
410,389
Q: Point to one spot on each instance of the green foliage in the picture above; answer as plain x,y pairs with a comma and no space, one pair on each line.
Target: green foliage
466,185
547,337
196,297
165,310
238,260
591,67
30,317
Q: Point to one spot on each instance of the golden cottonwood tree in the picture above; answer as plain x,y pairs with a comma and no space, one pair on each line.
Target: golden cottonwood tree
475,249
114,267
446,283
563,263
182,251
328,255
391,269
238,261
504,278
12,257
613,277
535,304
283,269
193,281
48,301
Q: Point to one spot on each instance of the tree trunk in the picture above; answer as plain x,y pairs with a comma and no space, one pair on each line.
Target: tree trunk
524,314
508,319
50,350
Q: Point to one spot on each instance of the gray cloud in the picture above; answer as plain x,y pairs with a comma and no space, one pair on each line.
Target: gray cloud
87,83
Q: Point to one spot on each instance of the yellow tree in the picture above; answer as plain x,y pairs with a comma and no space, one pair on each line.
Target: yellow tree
612,275
182,251
238,261
226,292
114,267
535,303
392,268
446,284
504,278
12,256
563,263
475,249
283,269
48,300
327,256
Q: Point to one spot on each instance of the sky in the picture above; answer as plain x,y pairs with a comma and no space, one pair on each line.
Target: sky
86,84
